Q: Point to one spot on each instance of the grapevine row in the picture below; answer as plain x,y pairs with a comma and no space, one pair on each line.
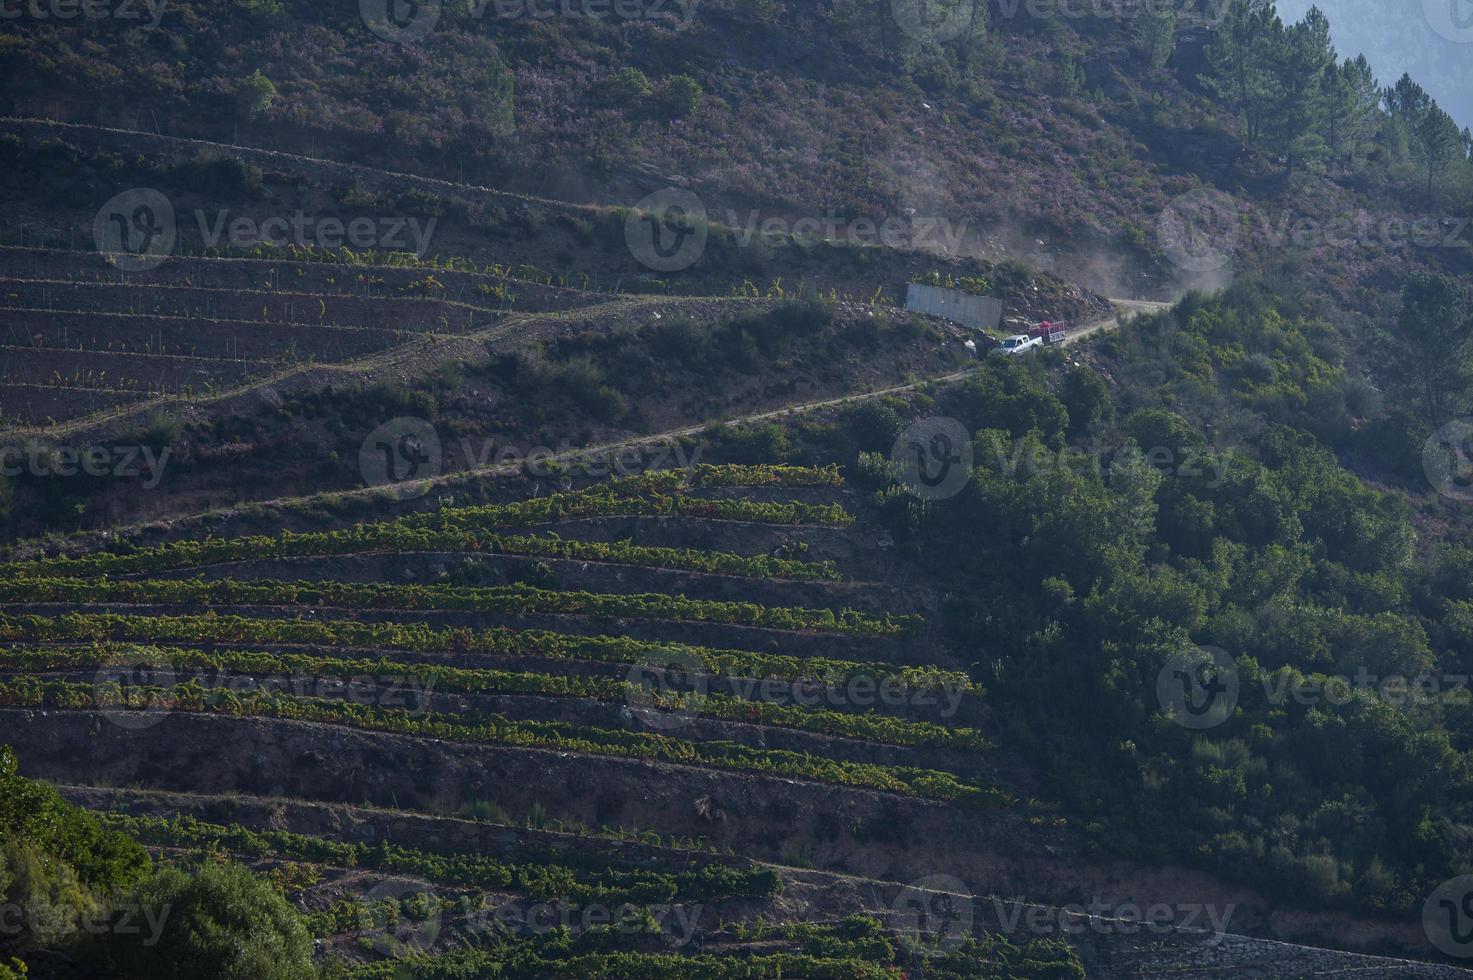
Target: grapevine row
855,948
434,677
424,639
732,475
542,881
605,501
517,599
29,691
397,538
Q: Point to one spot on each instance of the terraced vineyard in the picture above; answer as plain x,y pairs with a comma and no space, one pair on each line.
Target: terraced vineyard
545,750
533,496
83,336
91,348
475,737
93,341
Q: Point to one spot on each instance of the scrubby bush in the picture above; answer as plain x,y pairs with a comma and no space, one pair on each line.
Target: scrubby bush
264,9
746,340
54,903
1159,428
1396,443
629,86
1087,399
681,97
874,426
222,923
227,176
754,444
255,93
33,815
57,865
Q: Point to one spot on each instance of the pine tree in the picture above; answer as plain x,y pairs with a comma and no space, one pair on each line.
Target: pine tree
1431,358
1431,134
1305,58
1241,62
1155,33
1406,100
1358,106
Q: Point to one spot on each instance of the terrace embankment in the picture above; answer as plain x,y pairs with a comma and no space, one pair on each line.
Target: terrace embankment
369,283
972,764
847,831
193,337
111,369
398,313
480,568
1112,948
886,649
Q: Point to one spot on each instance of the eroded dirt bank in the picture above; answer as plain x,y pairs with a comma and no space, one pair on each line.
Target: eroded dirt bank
836,829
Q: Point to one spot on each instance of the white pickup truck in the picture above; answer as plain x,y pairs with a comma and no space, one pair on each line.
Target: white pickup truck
1019,343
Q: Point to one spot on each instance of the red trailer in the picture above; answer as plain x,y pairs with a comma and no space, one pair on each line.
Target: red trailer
1050,331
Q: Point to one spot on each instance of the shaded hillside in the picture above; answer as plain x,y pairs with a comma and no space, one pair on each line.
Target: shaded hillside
1047,138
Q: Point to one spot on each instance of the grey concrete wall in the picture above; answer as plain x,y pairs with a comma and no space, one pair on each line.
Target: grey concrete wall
982,312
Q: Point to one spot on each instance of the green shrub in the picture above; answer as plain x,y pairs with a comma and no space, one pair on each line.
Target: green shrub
33,815
53,901
754,443
1160,428
57,864
874,426
629,85
228,176
255,93
682,96
1087,399
264,9
222,923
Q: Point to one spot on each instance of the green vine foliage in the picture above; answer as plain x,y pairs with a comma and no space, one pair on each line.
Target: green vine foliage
435,677
73,627
31,691
515,599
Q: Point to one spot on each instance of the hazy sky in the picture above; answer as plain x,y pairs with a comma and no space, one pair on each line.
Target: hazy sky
1431,39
